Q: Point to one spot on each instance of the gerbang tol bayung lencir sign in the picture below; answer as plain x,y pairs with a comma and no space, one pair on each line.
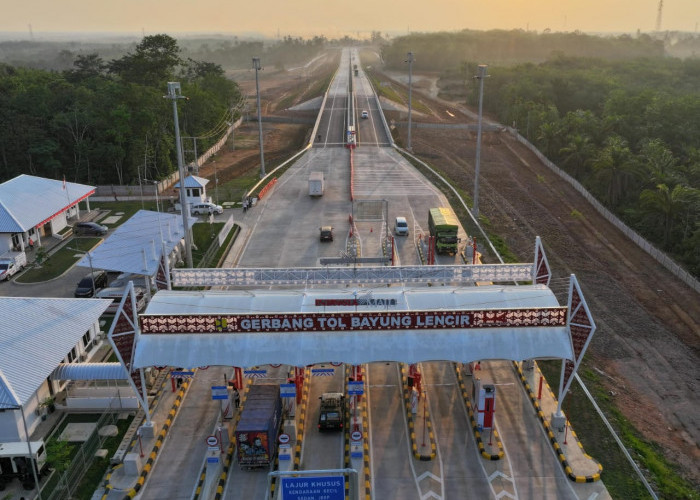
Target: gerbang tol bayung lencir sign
352,321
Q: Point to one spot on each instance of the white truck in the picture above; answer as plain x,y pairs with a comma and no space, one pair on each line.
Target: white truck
316,184
11,263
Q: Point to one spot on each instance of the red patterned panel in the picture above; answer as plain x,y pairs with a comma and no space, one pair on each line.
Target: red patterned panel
353,321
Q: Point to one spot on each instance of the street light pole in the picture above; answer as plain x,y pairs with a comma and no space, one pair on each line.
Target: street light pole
174,93
256,67
481,76
409,60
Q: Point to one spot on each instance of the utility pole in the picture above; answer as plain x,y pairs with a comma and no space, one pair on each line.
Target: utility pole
174,93
409,60
256,67
481,76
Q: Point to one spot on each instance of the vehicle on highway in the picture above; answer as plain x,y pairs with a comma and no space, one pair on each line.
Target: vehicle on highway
90,229
332,412
401,226
206,209
316,184
364,114
11,263
444,226
85,286
326,233
258,426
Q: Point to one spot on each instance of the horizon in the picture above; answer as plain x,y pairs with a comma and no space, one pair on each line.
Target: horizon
274,18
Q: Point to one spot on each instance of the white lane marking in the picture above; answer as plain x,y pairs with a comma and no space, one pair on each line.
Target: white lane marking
437,441
593,496
430,475
510,465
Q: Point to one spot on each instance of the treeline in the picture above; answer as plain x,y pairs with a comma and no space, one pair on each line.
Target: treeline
441,51
106,122
230,52
238,54
629,131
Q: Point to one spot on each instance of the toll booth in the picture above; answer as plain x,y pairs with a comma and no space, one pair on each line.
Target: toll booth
484,401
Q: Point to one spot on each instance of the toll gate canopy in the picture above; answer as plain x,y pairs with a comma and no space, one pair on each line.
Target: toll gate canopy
303,327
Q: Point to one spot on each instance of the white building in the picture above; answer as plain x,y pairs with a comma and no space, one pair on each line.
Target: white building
36,208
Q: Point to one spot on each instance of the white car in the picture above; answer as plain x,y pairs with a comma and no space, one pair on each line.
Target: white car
206,209
401,226
364,114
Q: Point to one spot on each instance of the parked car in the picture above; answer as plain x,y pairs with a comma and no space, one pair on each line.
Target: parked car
206,209
401,226
90,228
364,114
326,233
85,286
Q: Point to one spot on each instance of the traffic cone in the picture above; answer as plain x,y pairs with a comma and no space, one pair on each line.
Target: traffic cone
370,229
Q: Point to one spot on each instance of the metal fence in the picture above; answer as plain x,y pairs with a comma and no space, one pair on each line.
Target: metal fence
657,254
81,461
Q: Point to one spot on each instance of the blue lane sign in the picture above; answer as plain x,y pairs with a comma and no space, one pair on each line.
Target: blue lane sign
356,388
182,374
322,372
288,390
255,373
316,488
212,460
219,392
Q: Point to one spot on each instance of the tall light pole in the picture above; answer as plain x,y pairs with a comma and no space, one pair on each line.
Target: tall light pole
174,93
409,60
481,76
256,67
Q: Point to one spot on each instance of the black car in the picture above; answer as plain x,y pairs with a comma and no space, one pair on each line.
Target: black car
326,233
90,228
85,288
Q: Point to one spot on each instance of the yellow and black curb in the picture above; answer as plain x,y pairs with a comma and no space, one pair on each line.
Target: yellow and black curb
156,446
365,438
552,438
411,421
475,427
301,410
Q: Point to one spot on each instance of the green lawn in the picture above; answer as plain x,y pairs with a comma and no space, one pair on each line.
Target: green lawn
59,262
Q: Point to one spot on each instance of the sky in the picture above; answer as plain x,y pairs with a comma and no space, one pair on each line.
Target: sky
334,18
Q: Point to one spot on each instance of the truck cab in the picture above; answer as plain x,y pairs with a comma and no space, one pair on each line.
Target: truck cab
16,463
332,414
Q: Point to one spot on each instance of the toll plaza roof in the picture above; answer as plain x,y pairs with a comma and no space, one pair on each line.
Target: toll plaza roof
302,327
135,246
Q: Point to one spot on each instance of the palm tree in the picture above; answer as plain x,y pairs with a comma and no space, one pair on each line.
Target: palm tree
577,154
614,166
668,203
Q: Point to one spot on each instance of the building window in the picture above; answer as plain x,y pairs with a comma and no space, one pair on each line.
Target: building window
86,339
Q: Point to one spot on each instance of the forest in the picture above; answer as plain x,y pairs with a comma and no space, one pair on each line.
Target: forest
617,114
106,122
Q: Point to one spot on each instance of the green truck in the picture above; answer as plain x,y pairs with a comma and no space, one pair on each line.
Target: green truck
444,225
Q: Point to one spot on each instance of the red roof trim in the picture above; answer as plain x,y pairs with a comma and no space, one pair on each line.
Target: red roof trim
65,208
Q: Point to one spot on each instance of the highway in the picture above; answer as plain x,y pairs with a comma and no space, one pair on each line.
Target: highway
283,231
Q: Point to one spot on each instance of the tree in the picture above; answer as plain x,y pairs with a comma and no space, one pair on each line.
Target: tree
153,63
577,154
668,203
614,166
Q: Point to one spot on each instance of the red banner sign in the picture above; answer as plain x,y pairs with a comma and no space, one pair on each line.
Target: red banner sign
352,321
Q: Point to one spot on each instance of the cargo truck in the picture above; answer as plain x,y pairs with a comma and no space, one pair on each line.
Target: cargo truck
11,263
257,429
444,226
316,184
